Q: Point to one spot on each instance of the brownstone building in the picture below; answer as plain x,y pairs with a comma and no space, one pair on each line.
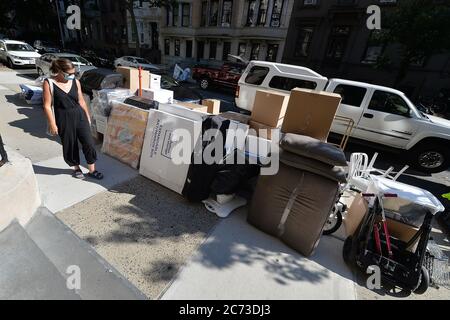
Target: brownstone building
331,37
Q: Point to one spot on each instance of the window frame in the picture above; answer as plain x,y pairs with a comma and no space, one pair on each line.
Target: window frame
343,101
225,23
406,115
213,22
214,57
308,42
249,74
183,16
280,14
177,47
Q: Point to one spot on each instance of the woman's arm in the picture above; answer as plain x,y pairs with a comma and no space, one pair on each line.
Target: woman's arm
82,102
48,108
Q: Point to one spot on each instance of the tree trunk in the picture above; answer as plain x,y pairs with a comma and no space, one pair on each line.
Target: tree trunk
134,27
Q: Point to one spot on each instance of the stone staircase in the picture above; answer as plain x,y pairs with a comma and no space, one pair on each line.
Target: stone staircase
35,260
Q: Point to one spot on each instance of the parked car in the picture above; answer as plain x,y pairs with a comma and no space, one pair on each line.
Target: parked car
135,62
383,117
100,78
228,75
181,92
17,53
45,61
45,47
98,60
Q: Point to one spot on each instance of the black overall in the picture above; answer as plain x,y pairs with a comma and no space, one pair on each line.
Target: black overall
73,126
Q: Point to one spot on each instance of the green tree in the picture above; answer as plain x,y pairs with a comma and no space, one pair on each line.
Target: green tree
421,28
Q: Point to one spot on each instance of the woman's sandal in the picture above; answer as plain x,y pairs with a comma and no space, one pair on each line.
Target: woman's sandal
78,174
96,175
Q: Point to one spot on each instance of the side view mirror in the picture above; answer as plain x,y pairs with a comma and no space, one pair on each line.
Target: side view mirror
2,49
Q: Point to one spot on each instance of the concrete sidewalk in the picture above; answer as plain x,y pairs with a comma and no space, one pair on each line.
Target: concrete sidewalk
239,262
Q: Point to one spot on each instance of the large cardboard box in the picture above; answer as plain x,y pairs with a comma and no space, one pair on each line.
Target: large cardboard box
160,95
158,161
270,107
193,106
261,129
131,78
356,211
125,133
310,113
213,105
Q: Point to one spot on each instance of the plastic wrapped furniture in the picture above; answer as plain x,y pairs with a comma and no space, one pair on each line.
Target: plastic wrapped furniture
294,204
125,133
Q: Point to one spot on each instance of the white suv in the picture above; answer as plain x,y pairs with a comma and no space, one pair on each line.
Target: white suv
383,117
17,53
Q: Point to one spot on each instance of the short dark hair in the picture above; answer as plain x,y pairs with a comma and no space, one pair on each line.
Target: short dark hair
61,65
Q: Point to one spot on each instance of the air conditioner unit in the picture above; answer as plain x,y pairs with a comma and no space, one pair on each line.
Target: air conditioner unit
309,2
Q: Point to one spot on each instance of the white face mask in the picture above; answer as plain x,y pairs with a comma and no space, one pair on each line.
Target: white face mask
69,76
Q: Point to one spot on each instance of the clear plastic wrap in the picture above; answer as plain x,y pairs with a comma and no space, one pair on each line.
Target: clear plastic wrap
125,133
102,99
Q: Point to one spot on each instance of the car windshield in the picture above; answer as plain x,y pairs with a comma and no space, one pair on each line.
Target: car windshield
19,47
142,60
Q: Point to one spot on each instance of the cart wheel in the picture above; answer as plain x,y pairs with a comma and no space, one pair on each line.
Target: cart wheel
347,250
333,223
424,282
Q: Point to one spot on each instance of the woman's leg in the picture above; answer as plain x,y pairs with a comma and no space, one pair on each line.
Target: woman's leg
71,152
87,144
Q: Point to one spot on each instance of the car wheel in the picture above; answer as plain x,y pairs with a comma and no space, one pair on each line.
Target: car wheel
10,64
424,281
204,83
430,158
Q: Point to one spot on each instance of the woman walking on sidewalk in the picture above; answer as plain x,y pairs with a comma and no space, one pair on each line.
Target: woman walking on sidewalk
68,117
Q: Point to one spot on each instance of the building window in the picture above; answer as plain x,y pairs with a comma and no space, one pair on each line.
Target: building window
212,49
227,9
262,12
254,54
272,52
188,48
166,47
275,20
213,13
242,48
337,44
175,13
186,14
177,47
303,42
204,17
251,12
226,50
124,32
374,48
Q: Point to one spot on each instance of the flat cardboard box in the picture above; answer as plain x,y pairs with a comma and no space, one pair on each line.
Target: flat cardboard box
270,107
262,130
310,113
131,78
355,214
155,81
213,105
240,117
160,95
157,162
182,111
193,106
